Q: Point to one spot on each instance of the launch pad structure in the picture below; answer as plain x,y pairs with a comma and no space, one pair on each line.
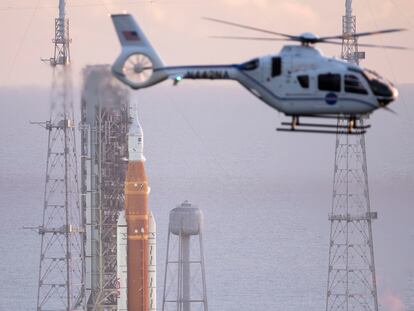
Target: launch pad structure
105,120
351,273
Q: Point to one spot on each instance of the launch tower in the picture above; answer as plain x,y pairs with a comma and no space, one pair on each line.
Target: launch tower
105,120
351,278
61,269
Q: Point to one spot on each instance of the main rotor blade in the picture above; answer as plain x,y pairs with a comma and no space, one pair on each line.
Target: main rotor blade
392,47
364,34
389,110
250,38
251,28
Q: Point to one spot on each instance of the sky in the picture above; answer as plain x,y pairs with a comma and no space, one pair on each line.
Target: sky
177,30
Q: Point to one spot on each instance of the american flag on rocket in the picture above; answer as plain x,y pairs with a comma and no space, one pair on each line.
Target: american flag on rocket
131,35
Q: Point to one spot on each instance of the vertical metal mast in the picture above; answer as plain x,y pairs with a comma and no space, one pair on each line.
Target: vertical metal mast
351,277
350,42
61,270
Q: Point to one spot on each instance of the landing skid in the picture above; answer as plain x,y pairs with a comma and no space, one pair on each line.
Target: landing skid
350,126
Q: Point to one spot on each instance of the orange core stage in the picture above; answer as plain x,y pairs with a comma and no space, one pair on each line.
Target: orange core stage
137,216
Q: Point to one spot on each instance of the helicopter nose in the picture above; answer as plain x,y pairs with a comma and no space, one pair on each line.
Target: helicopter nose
395,92
394,95
386,93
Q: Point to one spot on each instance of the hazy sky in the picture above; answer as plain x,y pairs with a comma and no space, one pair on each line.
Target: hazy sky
181,36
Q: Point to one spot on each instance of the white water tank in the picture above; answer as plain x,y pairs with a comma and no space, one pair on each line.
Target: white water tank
186,218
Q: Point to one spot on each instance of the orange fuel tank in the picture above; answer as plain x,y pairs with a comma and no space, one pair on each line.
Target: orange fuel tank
137,218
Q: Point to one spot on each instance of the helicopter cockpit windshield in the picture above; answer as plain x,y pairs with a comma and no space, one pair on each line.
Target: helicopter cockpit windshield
381,88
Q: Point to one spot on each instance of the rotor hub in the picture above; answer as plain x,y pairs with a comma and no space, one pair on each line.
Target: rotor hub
309,37
138,68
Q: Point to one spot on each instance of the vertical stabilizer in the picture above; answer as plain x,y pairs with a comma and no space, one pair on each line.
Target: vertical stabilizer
139,64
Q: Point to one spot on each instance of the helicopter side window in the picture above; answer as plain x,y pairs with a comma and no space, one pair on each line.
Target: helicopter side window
329,82
276,66
354,85
250,65
304,81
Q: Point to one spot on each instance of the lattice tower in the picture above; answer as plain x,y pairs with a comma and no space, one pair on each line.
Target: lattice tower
351,278
105,119
61,269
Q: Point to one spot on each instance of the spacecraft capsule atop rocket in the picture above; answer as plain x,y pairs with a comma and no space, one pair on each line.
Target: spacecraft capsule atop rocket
135,138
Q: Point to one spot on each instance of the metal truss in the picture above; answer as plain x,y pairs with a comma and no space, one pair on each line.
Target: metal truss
61,268
105,120
351,280
350,50
351,277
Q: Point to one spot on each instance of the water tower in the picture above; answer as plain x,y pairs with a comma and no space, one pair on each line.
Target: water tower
185,282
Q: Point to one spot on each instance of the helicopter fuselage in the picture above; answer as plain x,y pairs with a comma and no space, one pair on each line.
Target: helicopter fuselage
299,81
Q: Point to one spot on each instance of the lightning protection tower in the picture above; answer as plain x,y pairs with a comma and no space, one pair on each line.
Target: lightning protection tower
185,282
351,277
61,270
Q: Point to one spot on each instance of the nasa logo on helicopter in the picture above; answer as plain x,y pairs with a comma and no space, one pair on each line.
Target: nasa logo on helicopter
299,81
331,98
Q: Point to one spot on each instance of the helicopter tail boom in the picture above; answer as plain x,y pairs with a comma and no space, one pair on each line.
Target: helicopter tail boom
202,72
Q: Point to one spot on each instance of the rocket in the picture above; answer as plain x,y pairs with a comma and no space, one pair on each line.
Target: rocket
136,232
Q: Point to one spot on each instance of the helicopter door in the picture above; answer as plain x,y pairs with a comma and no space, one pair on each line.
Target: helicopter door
271,69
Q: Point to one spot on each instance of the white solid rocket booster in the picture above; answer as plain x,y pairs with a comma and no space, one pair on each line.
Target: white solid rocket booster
121,260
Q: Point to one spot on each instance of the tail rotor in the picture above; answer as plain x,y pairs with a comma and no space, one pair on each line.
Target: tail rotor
138,69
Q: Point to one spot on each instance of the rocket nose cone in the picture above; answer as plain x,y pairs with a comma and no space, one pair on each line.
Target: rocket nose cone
136,142
135,137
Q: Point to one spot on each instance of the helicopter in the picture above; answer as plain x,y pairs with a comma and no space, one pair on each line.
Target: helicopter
299,81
